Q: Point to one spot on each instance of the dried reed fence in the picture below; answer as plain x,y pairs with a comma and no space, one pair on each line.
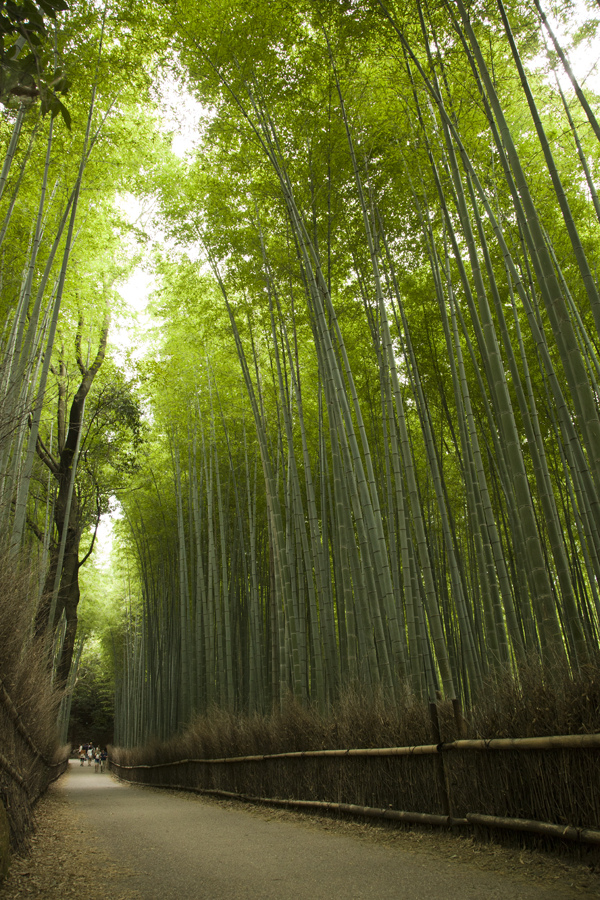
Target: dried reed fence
29,754
545,785
25,770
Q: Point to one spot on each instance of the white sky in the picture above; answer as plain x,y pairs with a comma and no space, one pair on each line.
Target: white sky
583,59
181,115
104,541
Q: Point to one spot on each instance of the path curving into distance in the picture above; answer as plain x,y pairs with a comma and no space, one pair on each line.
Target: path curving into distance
175,846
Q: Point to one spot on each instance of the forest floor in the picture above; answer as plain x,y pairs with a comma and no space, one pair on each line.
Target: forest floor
97,837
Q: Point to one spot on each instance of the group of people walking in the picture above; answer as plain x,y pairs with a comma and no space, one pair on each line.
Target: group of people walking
92,754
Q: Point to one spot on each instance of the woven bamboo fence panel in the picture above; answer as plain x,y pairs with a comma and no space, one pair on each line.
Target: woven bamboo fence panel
546,785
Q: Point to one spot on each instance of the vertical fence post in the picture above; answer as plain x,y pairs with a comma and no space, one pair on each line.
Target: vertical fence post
461,725
439,759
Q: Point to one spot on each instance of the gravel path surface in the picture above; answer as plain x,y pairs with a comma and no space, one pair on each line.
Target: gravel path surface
99,838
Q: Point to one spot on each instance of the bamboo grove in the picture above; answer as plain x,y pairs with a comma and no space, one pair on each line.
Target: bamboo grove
372,407
66,119
375,398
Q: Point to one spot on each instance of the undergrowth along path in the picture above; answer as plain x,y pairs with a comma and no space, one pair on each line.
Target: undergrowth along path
152,844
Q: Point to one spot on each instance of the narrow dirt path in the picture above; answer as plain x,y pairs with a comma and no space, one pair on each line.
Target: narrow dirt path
156,845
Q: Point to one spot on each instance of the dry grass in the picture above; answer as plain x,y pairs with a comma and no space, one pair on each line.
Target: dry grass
532,705
539,703
357,721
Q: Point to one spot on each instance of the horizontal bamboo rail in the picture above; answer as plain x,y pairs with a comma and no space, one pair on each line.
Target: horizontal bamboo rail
350,808
568,832
557,742
16,776
22,782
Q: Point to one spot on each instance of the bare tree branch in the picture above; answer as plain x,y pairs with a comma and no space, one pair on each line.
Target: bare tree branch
89,553
46,457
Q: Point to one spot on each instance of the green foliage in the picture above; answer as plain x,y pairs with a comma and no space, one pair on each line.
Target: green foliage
101,614
28,68
92,708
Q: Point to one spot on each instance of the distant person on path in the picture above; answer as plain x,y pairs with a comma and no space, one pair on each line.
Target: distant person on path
81,755
90,754
103,758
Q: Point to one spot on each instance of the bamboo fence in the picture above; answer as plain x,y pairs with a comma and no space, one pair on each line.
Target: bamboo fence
25,771
518,782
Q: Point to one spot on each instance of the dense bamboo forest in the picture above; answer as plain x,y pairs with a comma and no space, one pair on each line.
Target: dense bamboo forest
357,448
